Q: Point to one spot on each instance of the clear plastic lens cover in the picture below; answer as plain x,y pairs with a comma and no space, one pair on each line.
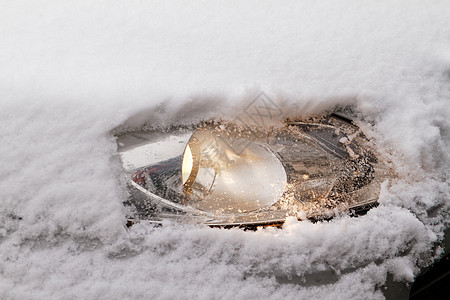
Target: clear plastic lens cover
224,174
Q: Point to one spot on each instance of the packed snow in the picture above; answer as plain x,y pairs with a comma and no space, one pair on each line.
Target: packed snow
73,71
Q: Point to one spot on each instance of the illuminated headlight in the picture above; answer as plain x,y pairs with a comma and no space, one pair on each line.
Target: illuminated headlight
223,174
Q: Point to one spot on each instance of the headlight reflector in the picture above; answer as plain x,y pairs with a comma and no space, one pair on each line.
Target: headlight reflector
226,177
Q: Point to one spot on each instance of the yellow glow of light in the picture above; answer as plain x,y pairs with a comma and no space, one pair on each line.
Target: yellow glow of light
187,165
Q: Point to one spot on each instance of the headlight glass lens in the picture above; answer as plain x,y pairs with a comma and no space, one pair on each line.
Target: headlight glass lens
224,174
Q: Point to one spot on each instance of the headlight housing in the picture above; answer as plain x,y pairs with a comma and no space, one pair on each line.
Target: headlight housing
225,174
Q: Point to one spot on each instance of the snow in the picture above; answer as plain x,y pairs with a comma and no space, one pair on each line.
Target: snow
72,71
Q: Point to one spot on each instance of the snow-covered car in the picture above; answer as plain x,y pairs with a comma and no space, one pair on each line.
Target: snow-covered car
230,174
200,199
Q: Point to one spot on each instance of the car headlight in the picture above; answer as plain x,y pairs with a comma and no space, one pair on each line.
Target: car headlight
225,174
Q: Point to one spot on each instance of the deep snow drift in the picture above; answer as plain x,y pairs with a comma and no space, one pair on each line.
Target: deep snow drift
72,72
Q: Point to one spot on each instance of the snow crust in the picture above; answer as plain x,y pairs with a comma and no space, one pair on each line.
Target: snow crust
72,71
